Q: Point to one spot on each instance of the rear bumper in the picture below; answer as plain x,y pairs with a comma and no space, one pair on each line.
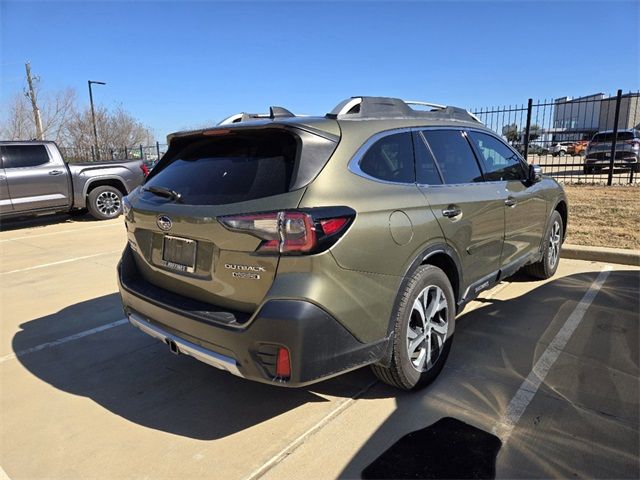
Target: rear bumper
319,346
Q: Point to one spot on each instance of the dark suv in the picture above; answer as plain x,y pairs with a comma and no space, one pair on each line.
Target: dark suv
598,153
291,249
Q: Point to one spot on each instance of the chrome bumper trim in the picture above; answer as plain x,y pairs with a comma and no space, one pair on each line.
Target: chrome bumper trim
185,347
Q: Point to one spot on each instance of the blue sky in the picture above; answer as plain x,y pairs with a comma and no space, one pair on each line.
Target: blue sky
178,65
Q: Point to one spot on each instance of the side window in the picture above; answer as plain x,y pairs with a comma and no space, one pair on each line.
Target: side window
426,169
17,156
455,158
390,159
500,162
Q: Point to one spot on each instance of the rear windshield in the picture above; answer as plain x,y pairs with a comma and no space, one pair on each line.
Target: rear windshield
608,137
232,168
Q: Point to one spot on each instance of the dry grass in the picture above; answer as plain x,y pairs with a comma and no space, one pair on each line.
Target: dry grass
604,216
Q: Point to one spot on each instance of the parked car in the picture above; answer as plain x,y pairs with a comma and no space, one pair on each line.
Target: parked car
560,148
35,179
534,149
598,153
291,249
578,148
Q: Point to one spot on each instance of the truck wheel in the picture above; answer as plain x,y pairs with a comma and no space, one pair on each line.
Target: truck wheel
423,328
105,202
548,265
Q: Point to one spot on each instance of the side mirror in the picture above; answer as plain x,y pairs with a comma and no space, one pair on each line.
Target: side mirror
535,173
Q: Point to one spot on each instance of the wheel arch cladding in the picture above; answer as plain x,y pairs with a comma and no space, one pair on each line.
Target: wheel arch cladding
561,208
107,182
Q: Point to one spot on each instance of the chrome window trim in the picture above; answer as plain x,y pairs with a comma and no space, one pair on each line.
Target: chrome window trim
354,163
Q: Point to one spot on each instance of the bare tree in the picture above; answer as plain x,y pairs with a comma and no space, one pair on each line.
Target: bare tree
116,130
56,109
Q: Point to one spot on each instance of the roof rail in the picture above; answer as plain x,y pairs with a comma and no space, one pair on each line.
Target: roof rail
274,112
384,107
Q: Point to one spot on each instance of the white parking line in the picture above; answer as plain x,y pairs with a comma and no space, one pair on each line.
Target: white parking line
75,259
3,474
60,341
530,385
26,237
288,450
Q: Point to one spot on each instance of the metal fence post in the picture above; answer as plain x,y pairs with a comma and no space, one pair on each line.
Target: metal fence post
158,150
528,130
616,118
93,154
141,152
126,152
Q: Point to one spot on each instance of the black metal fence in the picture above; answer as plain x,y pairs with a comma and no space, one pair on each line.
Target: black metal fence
559,136
556,134
148,153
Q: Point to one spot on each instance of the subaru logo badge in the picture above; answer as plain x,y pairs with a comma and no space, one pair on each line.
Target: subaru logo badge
164,223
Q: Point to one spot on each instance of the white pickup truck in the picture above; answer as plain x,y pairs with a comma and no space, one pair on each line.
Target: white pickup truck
35,179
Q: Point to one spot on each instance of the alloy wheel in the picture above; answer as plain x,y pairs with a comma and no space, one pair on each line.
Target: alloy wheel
427,329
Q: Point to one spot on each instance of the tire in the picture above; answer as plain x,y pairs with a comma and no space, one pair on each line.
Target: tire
562,153
416,369
548,265
105,202
636,168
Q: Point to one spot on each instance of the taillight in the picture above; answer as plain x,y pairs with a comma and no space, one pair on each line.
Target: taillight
145,169
635,144
293,231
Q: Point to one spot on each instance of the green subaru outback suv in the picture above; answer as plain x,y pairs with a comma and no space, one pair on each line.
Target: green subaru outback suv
291,249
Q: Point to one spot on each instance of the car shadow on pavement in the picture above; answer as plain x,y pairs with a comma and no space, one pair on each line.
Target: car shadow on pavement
137,378
495,348
18,223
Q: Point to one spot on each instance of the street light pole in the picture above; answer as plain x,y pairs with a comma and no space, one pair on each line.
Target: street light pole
93,117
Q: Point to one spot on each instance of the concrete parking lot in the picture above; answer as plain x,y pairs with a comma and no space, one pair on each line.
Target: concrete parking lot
550,368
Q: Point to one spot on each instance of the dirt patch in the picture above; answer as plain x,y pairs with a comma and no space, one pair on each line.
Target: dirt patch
604,216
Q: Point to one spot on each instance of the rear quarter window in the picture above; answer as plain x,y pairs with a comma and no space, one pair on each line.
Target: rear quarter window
390,159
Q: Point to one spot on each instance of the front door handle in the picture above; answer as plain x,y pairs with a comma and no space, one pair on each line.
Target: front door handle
55,172
510,201
451,211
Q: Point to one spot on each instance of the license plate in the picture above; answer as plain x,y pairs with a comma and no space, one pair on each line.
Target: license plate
179,253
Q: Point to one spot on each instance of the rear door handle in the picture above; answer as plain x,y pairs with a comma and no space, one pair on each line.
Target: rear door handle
451,211
55,172
510,201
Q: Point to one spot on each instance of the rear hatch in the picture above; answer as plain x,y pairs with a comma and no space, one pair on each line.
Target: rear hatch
176,221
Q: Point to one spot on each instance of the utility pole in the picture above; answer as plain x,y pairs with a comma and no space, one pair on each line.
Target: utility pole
93,117
32,96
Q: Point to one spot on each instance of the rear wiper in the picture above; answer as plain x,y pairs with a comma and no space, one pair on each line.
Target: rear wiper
163,192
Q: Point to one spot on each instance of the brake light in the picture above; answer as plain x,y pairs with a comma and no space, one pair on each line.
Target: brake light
635,143
293,232
145,169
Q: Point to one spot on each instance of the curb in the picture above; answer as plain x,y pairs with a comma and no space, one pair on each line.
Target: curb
601,254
